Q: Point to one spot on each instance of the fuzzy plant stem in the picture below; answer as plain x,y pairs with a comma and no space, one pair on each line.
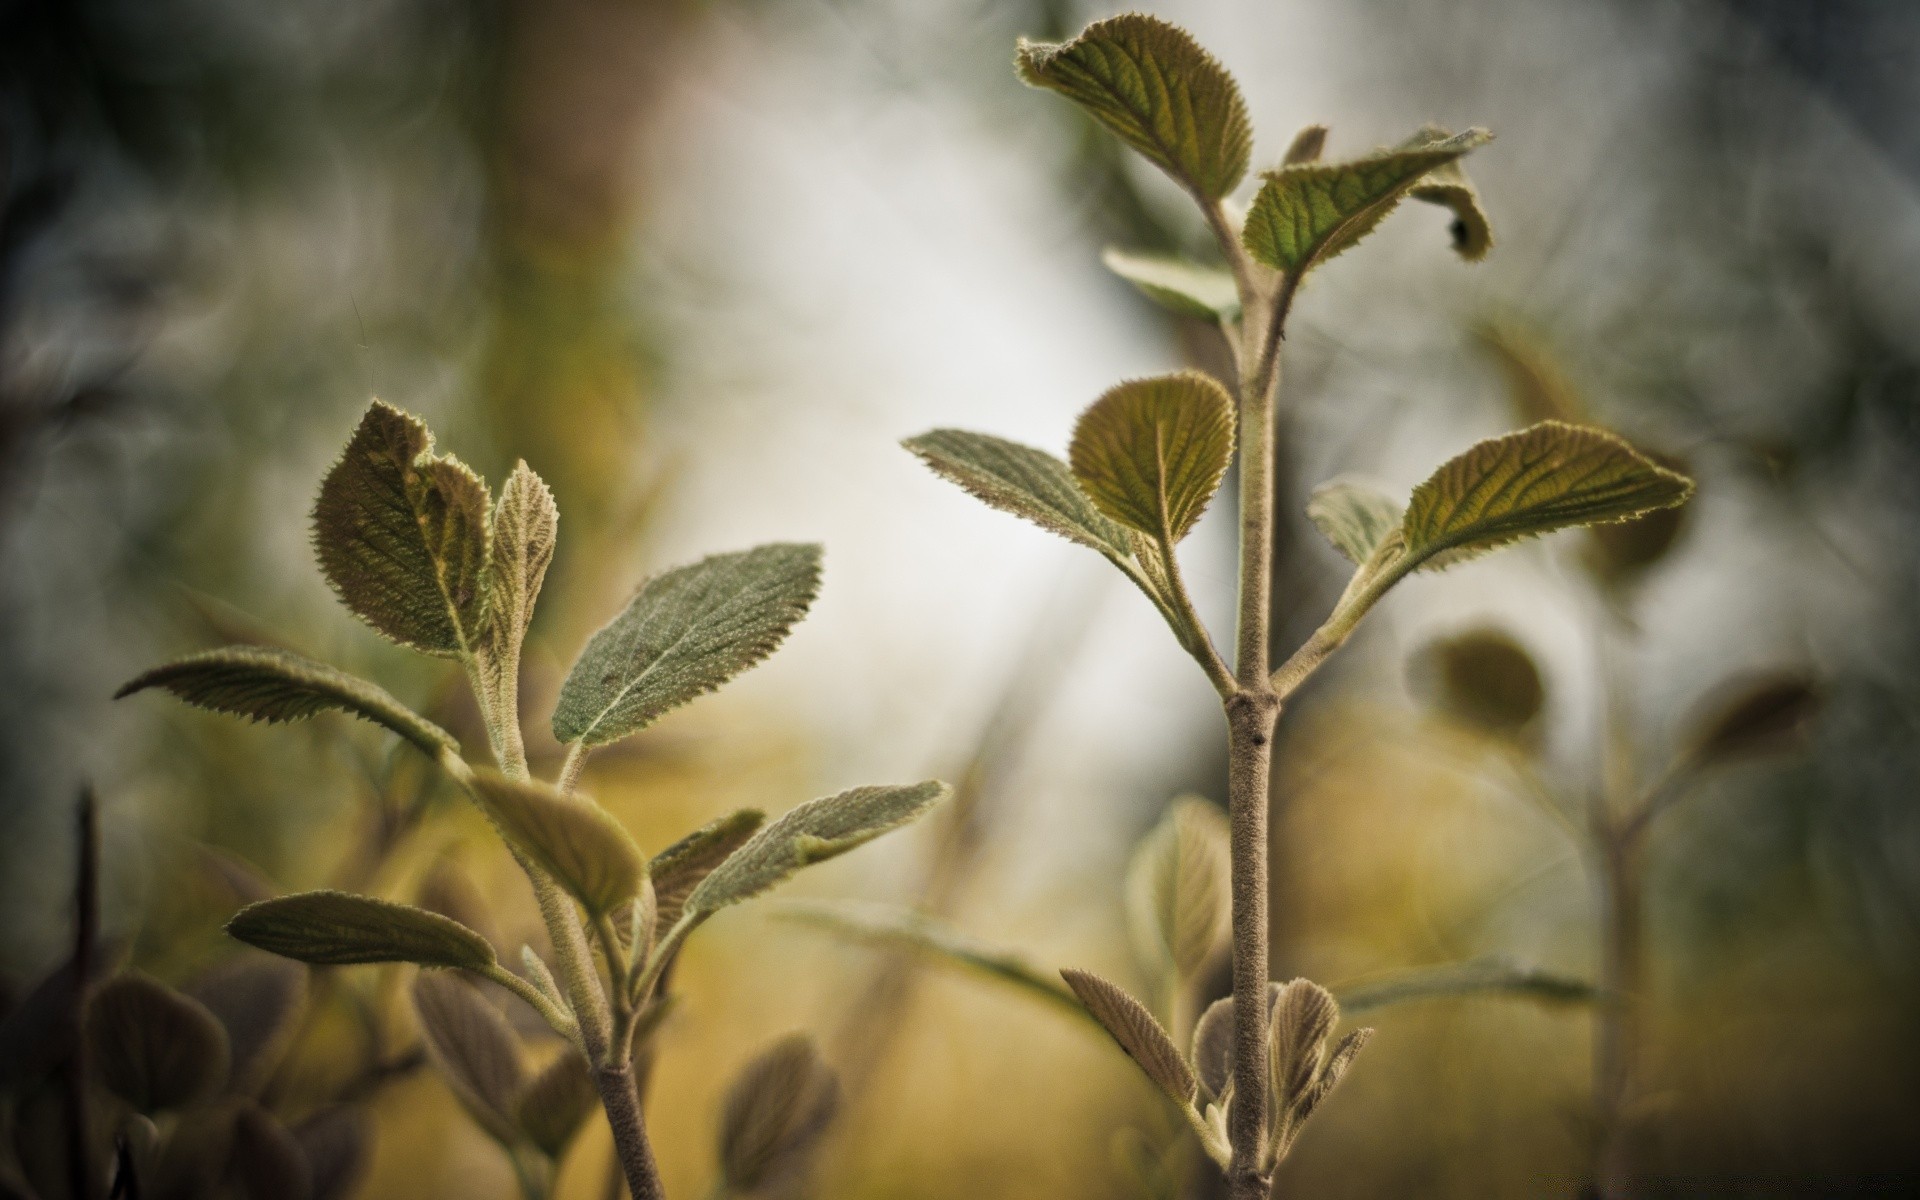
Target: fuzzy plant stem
1616,1029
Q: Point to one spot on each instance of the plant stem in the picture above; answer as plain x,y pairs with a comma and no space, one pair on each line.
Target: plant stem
621,1098
1616,1029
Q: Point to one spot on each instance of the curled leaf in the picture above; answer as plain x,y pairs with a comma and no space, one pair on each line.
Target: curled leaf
1138,1033
1303,1072
1151,84
775,1111
265,684
1152,452
684,633
576,841
1448,186
328,928
153,1047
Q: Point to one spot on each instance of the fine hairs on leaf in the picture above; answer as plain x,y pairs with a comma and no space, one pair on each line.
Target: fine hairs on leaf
1023,481
402,535
1152,85
1138,1033
264,684
573,839
1177,285
1152,452
1448,186
776,1110
678,869
329,928
685,633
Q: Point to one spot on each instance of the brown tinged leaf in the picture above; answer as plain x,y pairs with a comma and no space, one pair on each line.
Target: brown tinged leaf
580,844
678,869
1766,714
555,1103
775,1111
402,535
1154,87
257,1000
338,1143
1152,452
153,1047
1138,1033
1483,679
329,928
475,1049
266,1161
1306,147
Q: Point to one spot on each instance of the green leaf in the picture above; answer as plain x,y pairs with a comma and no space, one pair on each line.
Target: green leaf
684,634
776,1110
401,533
1307,213
1179,898
1355,517
1306,147
270,685
328,928
1137,1032
1152,85
556,1102
1152,452
526,527
476,1051
810,833
1177,285
1448,186
678,869
1484,680
905,928
1020,480
1545,477
575,840
1498,976
153,1047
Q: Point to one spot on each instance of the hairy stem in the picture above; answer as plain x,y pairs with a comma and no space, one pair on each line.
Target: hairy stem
621,1098
1616,1029
1251,717
575,763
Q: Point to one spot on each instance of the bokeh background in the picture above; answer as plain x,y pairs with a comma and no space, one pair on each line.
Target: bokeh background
703,264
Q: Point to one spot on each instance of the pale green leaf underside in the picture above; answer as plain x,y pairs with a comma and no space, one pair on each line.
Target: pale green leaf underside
1176,284
402,535
685,633
904,927
1152,85
812,832
1021,480
1354,516
1152,452
1308,213
328,928
265,684
1178,891
575,840
678,869
1545,477
526,528
1139,1034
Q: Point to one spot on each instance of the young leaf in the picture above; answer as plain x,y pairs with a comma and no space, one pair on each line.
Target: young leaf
775,1111
269,685
812,832
1151,452
1177,285
1765,715
1306,214
328,928
579,843
1213,1041
1306,147
1356,518
1448,186
1484,680
555,1103
153,1047
1179,903
1020,480
526,527
337,1144
476,1051
402,535
684,634
678,869
1137,1032
1153,86
1297,1030
1545,477
256,1000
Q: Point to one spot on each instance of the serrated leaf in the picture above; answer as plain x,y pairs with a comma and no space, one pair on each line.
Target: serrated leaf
1354,516
475,1049
1152,452
337,1144
1484,680
1177,285
271,685
1151,84
1750,717
576,841
678,869
1138,1033
328,928
916,931
1307,213
526,528
256,1000
810,833
1021,480
401,534
1448,186
775,1111
556,1101
153,1047
1179,899
1499,976
685,633
1545,477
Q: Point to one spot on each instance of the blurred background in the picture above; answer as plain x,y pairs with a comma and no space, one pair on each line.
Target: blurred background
703,264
